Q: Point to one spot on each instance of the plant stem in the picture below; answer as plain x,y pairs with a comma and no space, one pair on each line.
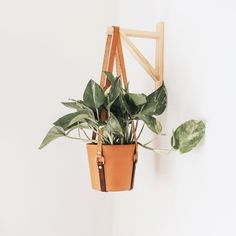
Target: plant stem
127,131
136,126
85,134
82,139
145,144
157,150
108,108
140,132
97,114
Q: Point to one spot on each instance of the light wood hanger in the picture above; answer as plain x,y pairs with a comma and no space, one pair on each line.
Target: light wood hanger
155,72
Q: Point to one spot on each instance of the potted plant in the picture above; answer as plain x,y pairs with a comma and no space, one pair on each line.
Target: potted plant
114,116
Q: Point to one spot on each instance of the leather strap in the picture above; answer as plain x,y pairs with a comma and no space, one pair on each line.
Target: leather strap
118,68
104,68
113,49
102,176
116,36
133,174
105,60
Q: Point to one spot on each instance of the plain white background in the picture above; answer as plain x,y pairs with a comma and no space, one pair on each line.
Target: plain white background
193,194
48,52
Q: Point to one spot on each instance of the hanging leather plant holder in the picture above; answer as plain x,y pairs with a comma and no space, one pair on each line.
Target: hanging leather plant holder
112,167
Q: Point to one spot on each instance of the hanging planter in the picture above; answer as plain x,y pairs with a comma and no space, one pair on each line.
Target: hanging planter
118,172
113,114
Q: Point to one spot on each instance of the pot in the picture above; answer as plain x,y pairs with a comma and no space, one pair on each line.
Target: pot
118,166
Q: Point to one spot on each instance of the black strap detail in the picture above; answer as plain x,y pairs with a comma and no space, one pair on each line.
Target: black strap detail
133,174
102,176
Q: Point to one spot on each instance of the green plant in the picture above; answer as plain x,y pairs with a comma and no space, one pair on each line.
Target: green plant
116,112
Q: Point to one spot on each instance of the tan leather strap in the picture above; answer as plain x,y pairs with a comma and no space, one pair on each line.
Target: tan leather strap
100,163
105,60
113,50
125,83
116,35
133,174
109,58
118,68
108,64
102,178
136,142
104,68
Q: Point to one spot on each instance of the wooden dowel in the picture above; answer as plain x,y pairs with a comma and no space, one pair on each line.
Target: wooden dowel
136,33
122,62
139,57
160,45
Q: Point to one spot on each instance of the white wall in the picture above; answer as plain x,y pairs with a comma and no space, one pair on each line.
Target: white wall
48,51
193,194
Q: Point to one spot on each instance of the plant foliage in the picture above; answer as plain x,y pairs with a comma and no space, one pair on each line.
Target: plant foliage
114,111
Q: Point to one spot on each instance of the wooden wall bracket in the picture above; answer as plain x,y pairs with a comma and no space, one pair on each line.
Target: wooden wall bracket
155,72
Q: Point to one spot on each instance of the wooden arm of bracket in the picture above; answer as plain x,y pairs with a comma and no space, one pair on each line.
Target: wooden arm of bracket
156,73
136,33
139,57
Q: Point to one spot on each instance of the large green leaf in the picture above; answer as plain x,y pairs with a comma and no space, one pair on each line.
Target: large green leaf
93,95
53,133
81,125
156,102
64,121
188,135
129,105
152,123
138,99
113,91
113,126
74,104
83,116
110,76
118,108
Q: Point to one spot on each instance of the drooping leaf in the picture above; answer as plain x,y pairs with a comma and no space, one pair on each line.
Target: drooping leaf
53,133
74,104
82,125
83,116
156,102
64,121
188,135
93,95
152,123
